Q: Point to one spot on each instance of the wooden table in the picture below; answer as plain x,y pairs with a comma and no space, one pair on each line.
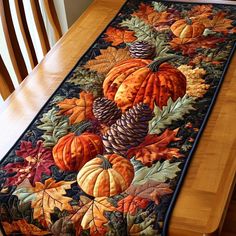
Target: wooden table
204,197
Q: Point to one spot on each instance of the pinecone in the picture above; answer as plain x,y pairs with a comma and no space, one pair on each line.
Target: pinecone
129,131
106,111
142,49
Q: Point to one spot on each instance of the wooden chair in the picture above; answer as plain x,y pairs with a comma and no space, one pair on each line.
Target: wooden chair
17,59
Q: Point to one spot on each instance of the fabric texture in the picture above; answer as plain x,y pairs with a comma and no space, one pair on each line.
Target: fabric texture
107,154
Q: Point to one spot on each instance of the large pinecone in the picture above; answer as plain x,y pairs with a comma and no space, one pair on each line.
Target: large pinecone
129,131
142,49
106,111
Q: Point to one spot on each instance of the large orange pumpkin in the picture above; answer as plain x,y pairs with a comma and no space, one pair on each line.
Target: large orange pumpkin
72,151
138,80
186,28
105,176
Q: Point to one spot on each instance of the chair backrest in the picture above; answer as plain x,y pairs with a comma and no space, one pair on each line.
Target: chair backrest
13,47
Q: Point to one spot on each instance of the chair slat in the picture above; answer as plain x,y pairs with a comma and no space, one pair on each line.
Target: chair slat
6,85
40,26
12,42
25,32
53,19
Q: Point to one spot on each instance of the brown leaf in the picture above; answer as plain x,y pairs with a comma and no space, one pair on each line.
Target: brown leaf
78,109
108,58
196,86
131,204
201,10
218,23
151,190
90,214
155,147
189,46
24,227
118,36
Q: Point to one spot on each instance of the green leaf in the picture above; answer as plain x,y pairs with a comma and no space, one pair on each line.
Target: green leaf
172,112
159,172
89,81
143,31
54,127
158,6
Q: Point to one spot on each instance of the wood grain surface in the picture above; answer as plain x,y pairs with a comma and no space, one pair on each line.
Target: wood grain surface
204,196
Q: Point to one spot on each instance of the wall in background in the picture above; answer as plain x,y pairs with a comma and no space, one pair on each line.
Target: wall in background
69,11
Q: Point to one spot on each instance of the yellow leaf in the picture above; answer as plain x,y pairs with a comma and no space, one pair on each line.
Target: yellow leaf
90,213
24,227
78,109
108,58
44,198
196,86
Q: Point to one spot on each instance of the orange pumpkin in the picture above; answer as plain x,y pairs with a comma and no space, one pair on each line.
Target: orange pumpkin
138,80
72,151
105,176
186,28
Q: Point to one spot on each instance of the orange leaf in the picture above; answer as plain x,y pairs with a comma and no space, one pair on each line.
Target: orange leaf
155,148
131,204
201,10
189,46
144,11
118,36
78,109
24,227
218,23
108,58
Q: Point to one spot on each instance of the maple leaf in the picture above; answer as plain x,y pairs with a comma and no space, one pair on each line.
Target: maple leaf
144,11
118,36
24,227
189,46
90,214
151,190
155,148
108,58
159,172
78,109
131,204
201,10
219,23
44,198
36,161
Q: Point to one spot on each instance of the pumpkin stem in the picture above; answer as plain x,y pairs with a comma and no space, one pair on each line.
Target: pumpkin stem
106,164
188,21
81,127
154,66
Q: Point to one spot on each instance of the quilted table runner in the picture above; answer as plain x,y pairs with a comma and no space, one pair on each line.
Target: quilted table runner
107,153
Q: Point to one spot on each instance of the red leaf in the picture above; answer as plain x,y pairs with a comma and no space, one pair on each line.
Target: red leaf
155,148
37,160
130,204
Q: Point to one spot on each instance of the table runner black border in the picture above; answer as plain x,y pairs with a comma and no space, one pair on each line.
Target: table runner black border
193,149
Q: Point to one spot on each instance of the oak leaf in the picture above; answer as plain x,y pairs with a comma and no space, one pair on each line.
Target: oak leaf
196,86
44,198
118,36
90,214
131,204
108,58
24,227
36,161
219,23
78,109
160,172
155,147
151,190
